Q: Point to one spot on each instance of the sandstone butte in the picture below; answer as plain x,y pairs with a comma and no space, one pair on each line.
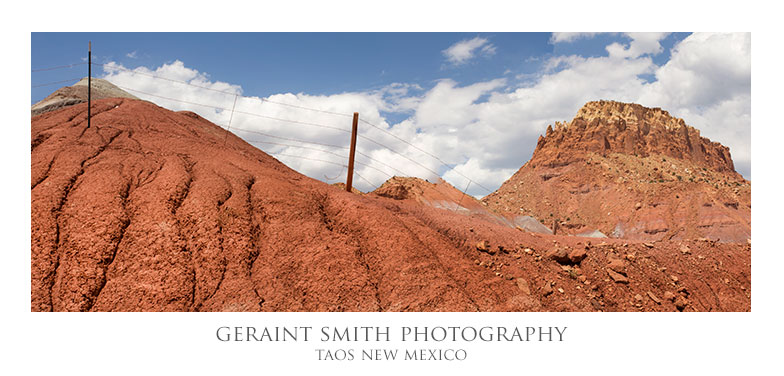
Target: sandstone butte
149,210
630,172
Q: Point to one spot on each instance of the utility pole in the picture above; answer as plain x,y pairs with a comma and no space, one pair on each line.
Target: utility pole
89,79
350,177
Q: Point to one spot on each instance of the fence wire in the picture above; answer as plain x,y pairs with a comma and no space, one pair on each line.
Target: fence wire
291,121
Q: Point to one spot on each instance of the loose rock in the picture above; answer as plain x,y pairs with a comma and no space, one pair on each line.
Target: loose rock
617,265
617,277
577,255
560,255
547,289
484,246
681,303
654,298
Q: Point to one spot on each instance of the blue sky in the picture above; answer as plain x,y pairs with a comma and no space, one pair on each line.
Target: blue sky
476,100
316,63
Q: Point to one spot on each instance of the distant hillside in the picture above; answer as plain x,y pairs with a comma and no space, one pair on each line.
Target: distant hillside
631,172
71,95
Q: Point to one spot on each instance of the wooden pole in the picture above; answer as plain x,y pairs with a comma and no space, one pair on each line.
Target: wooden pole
89,80
461,197
350,176
226,136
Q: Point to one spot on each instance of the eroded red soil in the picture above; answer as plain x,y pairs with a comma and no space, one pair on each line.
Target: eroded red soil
149,210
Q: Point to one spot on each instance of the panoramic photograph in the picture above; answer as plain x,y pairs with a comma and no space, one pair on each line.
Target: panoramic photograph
376,172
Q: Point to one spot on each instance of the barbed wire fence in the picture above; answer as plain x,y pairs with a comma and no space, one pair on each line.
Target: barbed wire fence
325,149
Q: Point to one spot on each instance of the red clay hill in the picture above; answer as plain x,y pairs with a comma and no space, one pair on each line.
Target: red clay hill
149,210
630,172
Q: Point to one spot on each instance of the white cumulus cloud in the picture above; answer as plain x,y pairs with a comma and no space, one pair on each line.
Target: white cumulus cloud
465,50
641,44
483,130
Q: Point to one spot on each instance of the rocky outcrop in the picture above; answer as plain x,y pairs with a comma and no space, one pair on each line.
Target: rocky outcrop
606,127
631,172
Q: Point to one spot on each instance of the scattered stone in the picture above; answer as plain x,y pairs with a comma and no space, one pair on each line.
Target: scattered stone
682,289
674,278
582,278
638,206
477,262
528,251
596,305
638,298
483,246
497,274
522,284
577,255
630,257
482,263
516,255
701,257
681,303
617,277
561,290
685,249
649,245
727,281
547,289
560,255
654,298
669,296
617,265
